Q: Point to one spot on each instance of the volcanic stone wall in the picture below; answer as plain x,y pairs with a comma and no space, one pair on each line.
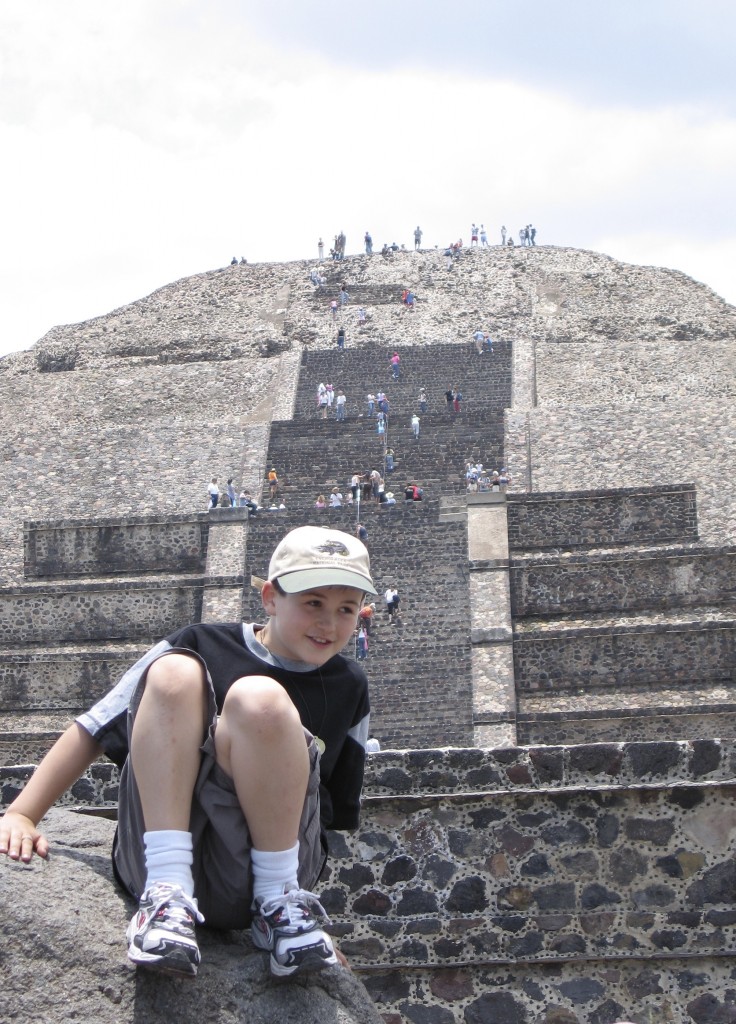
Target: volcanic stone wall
97,611
637,723
132,545
619,633
66,641
594,882
646,515
645,656
650,443
612,582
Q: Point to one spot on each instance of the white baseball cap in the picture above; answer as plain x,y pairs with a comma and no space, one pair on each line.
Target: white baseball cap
313,556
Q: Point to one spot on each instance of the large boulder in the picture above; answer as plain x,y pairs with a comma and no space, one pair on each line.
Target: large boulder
62,955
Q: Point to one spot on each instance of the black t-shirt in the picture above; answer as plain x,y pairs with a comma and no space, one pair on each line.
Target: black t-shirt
332,702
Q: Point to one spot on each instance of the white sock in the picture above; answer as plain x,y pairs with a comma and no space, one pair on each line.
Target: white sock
169,858
274,871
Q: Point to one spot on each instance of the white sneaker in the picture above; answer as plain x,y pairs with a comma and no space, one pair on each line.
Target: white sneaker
161,933
289,927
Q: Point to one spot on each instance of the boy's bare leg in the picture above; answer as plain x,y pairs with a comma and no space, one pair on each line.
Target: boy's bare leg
260,743
169,729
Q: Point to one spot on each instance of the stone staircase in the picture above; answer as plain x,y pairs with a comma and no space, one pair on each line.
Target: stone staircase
483,380
313,455
413,546
425,657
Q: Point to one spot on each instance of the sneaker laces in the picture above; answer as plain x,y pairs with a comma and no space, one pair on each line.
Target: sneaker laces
162,893
295,905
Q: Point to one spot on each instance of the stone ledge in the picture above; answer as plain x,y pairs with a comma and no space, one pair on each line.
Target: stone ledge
625,712
129,583
492,717
116,584
130,519
454,771
492,635
543,497
557,630
226,515
661,553
486,498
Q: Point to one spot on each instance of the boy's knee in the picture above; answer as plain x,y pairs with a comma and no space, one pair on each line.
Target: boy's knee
175,675
261,700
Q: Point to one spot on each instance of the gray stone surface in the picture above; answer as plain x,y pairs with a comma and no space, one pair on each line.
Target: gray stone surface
656,443
490,607
64,953
127,439
133,546
494,694
641,516
79,612
487,532
520,873
664,578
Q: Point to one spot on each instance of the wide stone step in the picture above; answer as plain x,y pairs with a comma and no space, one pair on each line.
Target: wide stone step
646,652
71,677
684,698
115,609
609,621
130,545
360,294
26,738
624,581
689,712
599,519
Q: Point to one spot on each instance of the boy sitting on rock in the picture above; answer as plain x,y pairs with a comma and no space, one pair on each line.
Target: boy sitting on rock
238,744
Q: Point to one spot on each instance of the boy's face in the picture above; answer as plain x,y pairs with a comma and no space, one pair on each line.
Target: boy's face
312,626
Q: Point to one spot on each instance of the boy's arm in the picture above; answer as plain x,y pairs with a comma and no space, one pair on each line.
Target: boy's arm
69,757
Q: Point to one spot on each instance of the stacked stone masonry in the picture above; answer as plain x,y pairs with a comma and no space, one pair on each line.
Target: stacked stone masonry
622,622
643,515
97,611
668,578
132,545
597,879
66,642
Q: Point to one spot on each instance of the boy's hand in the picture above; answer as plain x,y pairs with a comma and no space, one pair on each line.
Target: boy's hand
19,838
341,958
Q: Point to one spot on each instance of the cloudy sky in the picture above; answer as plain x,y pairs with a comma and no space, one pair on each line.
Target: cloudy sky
151,139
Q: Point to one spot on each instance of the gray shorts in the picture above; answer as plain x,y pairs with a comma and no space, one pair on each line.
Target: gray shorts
223,882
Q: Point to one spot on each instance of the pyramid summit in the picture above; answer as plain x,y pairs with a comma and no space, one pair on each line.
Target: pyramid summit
132,411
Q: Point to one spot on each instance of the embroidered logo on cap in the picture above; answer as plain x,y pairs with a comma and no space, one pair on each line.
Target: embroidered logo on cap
333,547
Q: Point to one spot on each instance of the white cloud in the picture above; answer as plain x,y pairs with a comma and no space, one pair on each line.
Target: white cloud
158,139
